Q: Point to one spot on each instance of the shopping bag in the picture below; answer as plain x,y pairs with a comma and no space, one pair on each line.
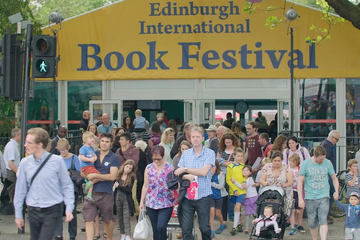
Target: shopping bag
193,190
142,228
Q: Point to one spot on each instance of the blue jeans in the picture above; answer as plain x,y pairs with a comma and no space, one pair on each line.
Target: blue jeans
159,219
202,208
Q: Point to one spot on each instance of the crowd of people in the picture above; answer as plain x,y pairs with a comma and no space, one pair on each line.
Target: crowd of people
128,169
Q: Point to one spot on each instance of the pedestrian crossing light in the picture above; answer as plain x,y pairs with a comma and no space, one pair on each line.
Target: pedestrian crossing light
44,56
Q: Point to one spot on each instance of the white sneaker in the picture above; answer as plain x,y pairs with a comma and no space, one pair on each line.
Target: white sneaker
123,237
127,238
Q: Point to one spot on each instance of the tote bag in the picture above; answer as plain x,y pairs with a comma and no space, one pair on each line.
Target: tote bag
142,228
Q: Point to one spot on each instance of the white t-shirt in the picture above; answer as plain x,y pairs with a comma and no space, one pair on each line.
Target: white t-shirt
250,189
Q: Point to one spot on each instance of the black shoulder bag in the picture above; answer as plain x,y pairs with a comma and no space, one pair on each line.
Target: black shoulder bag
38,170
75,176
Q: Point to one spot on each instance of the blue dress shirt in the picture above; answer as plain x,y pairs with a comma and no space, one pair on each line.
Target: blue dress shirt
51,186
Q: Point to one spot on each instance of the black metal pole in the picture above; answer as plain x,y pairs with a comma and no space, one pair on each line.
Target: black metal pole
292,79
25,107
54,92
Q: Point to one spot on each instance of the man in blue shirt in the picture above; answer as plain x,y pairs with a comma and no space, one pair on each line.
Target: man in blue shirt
106,125
49,189
107,164
197,161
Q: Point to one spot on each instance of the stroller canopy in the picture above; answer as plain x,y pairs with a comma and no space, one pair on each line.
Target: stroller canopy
271,192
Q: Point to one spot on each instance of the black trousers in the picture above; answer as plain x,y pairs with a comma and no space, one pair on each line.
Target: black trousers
202,208
72,224
43,221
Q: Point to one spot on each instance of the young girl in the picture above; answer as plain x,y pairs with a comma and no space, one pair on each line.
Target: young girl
258,176
237,192
184,145
218,189
268,218
124,203
251,196
296,216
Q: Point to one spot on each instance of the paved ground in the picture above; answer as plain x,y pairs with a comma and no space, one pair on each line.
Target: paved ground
9,231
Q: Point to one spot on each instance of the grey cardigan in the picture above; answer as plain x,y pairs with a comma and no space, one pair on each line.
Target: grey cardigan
221,185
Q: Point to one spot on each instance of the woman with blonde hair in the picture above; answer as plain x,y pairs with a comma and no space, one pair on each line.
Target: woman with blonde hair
71,162
167,141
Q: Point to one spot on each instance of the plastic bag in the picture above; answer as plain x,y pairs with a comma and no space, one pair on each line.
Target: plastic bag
193,190
142,228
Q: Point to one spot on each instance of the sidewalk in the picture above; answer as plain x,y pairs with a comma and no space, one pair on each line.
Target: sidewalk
9,231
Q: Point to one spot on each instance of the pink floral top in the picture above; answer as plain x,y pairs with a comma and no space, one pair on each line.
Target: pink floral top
275,180
158,194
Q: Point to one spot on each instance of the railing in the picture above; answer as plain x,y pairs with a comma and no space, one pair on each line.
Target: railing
73,136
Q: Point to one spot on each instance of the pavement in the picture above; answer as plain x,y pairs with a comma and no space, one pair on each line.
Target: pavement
9,231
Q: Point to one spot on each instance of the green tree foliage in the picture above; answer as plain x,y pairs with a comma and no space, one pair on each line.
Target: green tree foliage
10,7
68,8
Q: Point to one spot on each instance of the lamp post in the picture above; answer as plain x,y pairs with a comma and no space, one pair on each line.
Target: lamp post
56,18
291,15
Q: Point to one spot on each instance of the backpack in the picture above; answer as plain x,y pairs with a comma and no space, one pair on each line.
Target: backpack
138,136
156,139
301,150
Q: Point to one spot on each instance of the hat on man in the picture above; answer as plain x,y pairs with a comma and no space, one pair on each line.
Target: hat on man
354,194
212,128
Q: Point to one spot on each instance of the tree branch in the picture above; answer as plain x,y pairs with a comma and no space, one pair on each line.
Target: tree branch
347,10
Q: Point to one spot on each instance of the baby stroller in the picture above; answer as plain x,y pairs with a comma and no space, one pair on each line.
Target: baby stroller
273,196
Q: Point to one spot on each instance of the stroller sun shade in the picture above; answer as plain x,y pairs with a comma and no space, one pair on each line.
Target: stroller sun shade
271,192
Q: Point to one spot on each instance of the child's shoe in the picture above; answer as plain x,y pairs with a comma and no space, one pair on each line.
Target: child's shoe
220,229
278,230
301,229
89,199
233,231
257,233
246,230
239,228
293,231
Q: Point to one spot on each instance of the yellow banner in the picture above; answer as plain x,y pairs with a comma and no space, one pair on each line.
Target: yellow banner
143,39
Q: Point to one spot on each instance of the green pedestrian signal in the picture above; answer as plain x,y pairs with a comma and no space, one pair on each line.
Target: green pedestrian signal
44,56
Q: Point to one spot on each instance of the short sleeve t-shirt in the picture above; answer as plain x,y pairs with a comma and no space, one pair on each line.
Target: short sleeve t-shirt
87,152
316,178
254,148
104,166
355,188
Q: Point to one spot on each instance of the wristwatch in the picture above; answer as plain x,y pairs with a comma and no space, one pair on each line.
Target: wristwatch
185,170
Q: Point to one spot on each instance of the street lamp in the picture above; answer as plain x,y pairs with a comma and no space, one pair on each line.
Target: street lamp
291,15
56,18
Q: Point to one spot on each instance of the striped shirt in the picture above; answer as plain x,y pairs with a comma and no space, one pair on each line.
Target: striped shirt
190,160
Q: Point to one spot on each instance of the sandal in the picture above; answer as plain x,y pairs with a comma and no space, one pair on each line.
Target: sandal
96,237
104,235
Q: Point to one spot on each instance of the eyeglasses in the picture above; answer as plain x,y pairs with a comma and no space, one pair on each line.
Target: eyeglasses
157,159
336,138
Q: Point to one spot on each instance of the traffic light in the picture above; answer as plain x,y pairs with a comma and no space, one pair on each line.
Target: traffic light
44,56
11,66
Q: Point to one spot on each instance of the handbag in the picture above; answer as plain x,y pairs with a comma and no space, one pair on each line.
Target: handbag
142,228
289,206
75,176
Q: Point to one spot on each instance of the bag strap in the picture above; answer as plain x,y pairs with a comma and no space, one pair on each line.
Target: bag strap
41,166
228,160
72,163
122,154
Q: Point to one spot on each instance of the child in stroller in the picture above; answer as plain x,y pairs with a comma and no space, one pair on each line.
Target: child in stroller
271,220
267,219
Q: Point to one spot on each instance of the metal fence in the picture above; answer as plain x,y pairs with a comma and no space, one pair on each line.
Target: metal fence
73,136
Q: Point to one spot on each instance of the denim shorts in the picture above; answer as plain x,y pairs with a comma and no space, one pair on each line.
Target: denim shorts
317,211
